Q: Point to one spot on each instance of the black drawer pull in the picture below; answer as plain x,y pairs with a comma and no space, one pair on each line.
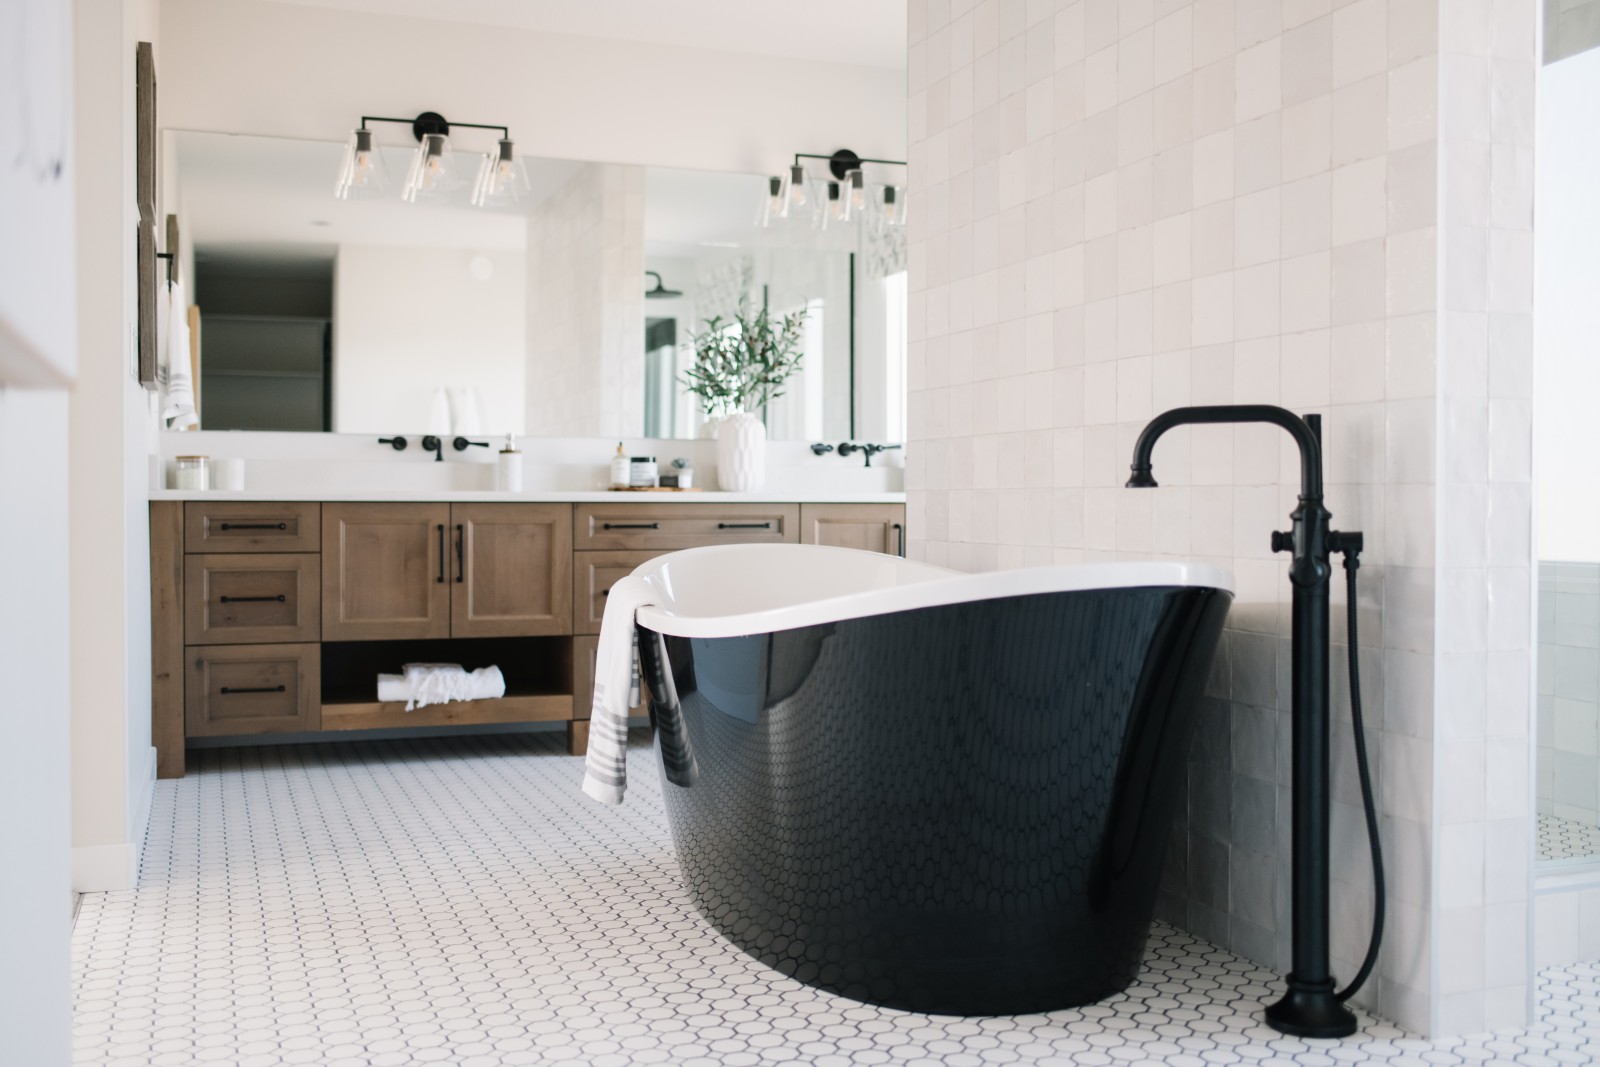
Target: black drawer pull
900,536
254,526
744,525
251,599
263,689
630,526
461,567
441,555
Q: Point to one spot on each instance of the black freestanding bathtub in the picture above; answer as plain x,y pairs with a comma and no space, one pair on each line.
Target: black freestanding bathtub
933,791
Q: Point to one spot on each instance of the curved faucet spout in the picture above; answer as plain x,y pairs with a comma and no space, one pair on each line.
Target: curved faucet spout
1300,429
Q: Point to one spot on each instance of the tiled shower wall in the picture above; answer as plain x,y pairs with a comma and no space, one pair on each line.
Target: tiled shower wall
1569,691
1122,207
585,303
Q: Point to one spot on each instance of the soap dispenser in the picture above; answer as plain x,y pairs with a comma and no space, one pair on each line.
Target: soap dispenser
621,469
508,471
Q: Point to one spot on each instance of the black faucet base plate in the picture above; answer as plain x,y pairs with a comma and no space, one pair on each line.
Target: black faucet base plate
1311,1010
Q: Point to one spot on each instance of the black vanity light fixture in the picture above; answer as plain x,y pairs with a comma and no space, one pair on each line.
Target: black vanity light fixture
501,178
844,197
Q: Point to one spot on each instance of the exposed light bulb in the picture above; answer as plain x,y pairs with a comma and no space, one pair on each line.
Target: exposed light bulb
502,180
833,210
893,211
432,173
772,204
362,174
799,196
855,199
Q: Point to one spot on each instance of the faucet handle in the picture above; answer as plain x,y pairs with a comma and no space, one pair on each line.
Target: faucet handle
396,443
461,444
1282,541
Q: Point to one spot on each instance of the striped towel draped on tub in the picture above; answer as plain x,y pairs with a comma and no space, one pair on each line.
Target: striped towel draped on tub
605,775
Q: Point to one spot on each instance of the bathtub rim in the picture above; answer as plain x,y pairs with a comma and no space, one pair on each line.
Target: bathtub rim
941,588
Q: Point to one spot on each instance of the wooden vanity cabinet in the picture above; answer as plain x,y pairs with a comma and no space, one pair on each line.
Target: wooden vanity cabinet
870,527
385,573
278,616
513,570
401,571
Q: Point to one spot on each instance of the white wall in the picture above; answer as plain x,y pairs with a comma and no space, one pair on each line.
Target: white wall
407,321
112,433
35,827
293,71
1118,209
1567,382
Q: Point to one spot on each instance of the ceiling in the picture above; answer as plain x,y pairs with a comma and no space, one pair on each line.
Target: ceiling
869,33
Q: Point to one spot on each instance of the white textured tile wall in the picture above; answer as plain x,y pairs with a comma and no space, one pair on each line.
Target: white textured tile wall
1121,207
585,303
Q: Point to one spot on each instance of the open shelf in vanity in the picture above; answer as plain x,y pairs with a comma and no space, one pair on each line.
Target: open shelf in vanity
276,617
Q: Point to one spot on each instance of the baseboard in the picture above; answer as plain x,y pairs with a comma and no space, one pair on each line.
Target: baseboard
104,868
139,825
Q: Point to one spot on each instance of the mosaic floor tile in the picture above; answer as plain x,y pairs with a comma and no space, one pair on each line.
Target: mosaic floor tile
458,901
1565,839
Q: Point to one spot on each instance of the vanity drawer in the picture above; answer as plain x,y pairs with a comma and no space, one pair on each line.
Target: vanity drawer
252,689
668,527
219,526
593,575
252,599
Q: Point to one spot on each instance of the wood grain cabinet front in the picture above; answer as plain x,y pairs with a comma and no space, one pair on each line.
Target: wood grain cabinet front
593,575
871,527
385,571
666,527
400,571
512,572
248,599
278,526
252,689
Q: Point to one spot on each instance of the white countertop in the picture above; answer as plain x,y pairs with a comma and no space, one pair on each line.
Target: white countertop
539,496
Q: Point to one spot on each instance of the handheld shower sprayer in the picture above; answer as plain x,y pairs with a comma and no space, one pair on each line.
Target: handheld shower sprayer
1311,1007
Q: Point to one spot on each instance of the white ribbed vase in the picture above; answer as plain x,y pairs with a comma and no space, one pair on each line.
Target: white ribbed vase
741,453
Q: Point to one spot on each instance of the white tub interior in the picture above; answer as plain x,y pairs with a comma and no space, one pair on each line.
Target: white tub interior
734,590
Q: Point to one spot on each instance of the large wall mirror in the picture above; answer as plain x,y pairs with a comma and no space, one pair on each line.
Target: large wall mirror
569,313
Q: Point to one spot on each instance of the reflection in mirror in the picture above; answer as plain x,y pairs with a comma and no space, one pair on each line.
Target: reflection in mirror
571,313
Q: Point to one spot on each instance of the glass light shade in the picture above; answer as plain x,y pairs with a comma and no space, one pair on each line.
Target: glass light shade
502,179
362,173
833,212
797,199
892,210
772,203
855,195
432,175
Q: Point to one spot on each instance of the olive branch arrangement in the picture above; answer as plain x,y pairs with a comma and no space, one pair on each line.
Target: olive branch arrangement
742,361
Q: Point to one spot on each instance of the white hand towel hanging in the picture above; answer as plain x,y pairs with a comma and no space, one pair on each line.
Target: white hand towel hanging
439,413
178,406
605,775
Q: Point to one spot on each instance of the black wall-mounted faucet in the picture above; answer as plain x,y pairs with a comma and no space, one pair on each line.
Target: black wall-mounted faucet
1311,1007
847,449
434,444
397,443
461,444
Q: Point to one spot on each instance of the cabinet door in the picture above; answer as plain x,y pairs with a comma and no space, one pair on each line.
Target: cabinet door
384,572
511,570
873,527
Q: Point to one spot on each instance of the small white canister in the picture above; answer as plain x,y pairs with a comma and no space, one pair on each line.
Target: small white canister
191,473
642,472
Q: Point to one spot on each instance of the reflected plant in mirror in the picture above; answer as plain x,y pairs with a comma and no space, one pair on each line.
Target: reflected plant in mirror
742,362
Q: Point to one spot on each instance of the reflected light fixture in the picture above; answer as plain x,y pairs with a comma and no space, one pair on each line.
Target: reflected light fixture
362,172
833,211
791,199
855,198
797,195
431,176
892,210
502,179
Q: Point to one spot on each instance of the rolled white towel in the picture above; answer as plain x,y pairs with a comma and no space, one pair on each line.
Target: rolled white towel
423,684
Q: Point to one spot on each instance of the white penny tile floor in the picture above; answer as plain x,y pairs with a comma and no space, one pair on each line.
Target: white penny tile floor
1565,839
458,901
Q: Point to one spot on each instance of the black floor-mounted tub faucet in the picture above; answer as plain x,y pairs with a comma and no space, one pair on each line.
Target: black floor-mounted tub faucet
1311,1007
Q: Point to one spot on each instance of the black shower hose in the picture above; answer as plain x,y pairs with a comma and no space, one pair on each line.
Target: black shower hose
1352,561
